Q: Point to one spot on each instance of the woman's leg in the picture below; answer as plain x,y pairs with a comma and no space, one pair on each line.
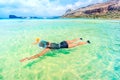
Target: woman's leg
76,44
74,40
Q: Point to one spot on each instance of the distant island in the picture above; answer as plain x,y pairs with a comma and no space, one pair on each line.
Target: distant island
32,17
109,9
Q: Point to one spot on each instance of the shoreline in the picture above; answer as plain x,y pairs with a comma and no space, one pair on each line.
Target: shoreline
66,19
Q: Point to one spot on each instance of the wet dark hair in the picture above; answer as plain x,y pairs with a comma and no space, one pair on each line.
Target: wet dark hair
47,43
43,44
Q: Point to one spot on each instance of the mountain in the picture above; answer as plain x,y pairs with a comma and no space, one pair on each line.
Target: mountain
32,17
109,9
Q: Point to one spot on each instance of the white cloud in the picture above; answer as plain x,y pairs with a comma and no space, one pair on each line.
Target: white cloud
95,1
28,7
78,3
38,7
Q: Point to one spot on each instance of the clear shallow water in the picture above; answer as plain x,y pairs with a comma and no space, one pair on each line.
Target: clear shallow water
97,61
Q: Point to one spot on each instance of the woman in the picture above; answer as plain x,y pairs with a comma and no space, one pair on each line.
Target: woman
48,46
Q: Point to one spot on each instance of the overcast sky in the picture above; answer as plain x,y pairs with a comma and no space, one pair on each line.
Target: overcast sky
41,7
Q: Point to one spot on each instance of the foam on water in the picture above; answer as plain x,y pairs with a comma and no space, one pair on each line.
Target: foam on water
98,61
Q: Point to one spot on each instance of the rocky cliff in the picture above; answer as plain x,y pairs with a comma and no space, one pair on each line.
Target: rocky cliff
109,9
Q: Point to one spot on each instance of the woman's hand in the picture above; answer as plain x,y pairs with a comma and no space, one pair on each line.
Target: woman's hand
34,43
37,41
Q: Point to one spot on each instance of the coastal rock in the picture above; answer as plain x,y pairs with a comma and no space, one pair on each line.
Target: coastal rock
69,10
96,10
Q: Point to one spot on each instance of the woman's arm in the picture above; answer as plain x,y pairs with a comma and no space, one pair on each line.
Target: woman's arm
37,41
35,56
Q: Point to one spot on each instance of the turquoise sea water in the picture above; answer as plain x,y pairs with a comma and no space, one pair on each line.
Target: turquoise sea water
99,60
